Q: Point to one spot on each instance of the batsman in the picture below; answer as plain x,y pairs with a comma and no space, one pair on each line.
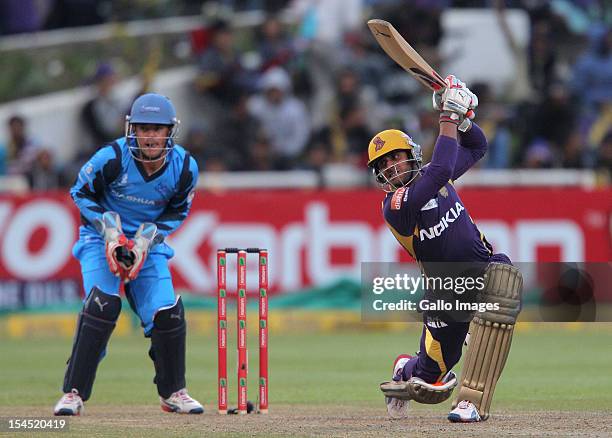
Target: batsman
132,194
428,218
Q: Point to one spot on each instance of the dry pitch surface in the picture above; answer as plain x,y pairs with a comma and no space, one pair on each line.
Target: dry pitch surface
333,421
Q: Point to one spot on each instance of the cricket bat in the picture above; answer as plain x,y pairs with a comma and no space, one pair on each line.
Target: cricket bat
401,52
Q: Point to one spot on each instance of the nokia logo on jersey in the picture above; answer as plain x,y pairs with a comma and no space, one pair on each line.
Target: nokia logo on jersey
447,219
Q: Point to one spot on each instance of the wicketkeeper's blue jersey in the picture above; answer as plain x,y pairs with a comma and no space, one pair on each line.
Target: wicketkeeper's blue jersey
112,180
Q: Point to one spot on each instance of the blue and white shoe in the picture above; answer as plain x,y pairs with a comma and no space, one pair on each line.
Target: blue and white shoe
70,404
182,403
465,412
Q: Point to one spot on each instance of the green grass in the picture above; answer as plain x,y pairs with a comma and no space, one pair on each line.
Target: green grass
548,369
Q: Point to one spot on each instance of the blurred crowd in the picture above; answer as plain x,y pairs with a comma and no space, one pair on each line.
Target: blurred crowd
310,87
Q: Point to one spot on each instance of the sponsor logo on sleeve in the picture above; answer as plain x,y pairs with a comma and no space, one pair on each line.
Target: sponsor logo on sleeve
398,198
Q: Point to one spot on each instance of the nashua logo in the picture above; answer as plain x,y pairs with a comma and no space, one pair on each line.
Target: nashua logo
447,219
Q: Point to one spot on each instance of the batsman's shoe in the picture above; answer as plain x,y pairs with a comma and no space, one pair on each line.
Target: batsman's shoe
465,412
182,403
398,367
70,404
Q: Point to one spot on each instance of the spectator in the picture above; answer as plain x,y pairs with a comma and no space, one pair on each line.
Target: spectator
542,59
318,154
220,73
355,134
235,133
21,149
44,175
262,157
283,117
369,63
492,120
274,46
104,114
604,157
592,75
554,119
350,92
197,144
574,153
539,155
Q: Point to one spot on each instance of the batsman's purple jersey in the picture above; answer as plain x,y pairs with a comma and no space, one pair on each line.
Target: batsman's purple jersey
431,222
428,218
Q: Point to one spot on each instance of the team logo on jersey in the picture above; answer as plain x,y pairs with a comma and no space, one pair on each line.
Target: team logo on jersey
86,173
433,203
450,217
397,198
163,190
123,181
444,192
379,143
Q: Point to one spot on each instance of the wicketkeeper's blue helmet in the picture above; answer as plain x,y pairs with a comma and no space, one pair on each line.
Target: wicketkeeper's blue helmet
154,109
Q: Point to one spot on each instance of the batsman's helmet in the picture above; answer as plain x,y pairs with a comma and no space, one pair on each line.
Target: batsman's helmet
386,142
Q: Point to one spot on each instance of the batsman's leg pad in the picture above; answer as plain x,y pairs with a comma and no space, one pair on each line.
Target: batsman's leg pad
490,337
168,348
420,391
96,322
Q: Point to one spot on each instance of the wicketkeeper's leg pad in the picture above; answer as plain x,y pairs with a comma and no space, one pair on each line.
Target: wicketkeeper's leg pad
96,322
168,348
490,337
420,391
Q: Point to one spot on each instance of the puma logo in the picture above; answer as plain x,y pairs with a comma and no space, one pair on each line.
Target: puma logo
100,304
175,315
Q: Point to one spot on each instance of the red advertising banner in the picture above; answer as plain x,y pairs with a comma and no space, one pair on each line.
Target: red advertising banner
314,237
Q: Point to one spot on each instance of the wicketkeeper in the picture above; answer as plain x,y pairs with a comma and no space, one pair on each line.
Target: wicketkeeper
132,194
428,218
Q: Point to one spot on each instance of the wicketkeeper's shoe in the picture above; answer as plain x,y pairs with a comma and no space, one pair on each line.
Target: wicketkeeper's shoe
395,407
465,412
70,404
182,403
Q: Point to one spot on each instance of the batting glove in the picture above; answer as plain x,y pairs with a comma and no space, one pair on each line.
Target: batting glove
456,102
